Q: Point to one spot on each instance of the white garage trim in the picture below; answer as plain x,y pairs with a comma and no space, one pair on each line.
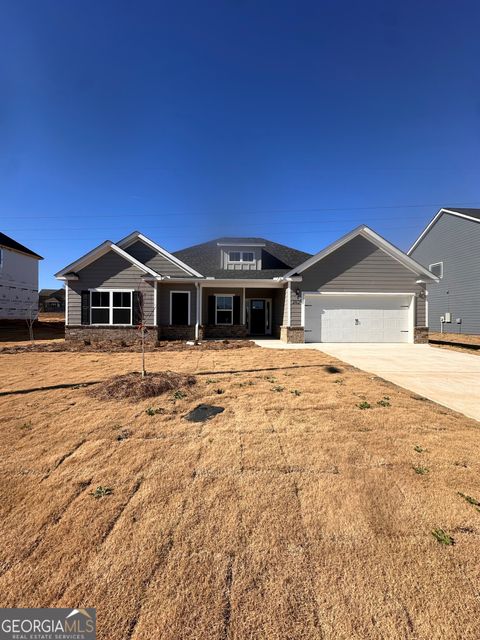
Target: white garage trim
411,308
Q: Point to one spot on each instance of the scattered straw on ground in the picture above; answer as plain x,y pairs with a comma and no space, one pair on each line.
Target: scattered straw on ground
135,387
294,513
111,346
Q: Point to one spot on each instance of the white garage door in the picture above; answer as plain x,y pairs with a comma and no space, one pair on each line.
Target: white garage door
357,318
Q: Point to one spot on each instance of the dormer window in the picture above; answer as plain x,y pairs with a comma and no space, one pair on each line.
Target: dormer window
241,256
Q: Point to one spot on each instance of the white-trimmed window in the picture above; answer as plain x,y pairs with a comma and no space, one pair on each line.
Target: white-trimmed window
437,269
241,256
224,309
111,307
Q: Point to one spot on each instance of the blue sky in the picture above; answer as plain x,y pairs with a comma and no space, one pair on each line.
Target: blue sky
189,120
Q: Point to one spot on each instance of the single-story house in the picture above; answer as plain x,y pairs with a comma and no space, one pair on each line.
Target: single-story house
360,288
449,247
50,300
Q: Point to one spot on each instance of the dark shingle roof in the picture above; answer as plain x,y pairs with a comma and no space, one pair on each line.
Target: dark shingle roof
5,241
473,213
49,293
277,259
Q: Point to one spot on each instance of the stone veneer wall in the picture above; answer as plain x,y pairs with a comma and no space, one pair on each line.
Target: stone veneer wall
177,332
128,335
295,335
420,335
225,331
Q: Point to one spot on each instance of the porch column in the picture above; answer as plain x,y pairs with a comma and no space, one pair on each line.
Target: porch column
198,310
244,311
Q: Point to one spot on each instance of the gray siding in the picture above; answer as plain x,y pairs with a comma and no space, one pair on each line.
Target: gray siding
358,265
157,262
455,242
163,303
111,271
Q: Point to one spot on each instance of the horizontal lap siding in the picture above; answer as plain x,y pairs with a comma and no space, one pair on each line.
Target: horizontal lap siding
455,242
111,271
358,266
160,264
164,301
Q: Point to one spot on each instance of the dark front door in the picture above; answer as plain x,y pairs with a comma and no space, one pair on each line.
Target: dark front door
257,317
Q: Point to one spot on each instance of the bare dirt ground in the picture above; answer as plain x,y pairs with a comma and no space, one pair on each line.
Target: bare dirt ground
456,338
293,514
50,327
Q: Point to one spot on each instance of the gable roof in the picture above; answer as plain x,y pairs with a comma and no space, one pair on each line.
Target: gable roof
362,230
10,243
136,235
52,293
277,259
69,271
468,214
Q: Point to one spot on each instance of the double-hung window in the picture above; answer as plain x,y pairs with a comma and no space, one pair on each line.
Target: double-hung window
241,256
224,309
111,307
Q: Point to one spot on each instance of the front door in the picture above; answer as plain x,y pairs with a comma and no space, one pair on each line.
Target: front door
257,317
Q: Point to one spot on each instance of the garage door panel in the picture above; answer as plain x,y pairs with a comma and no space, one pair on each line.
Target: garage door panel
356,318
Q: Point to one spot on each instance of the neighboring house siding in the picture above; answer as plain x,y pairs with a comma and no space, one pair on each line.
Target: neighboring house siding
454,241
18,285
242,266
162,265
111,271
163,301
358,266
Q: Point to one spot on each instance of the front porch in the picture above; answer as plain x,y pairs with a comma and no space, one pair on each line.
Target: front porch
217,311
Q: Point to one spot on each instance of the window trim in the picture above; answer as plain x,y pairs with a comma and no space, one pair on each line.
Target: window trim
1,257
224,295
189,306
435,264
111,307
241,261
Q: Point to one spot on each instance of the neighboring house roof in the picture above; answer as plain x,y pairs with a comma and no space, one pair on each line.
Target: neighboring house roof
277,259
69,272
468,214
58,294
10,243
377,240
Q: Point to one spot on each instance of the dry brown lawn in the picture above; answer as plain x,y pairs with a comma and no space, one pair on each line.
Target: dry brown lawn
456,338
288,516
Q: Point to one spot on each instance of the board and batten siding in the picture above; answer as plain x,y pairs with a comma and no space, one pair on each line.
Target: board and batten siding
359,265
241,266
454,241
110,271
156,261
163,301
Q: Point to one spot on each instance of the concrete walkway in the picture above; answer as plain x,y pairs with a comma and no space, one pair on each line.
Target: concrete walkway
448,377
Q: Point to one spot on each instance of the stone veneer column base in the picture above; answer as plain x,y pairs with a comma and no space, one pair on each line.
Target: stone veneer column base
293,335
176,332
219,331
420,335
126,335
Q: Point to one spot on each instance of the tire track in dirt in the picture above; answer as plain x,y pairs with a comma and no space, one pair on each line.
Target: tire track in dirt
309,561
62,459
118,515
165,550
53,521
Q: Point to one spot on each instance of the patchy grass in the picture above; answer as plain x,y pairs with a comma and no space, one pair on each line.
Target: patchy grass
101,492
442,537
284,516
421,471
364,405
469,499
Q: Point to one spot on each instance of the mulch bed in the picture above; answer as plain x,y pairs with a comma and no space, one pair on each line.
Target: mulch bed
115,347
133,386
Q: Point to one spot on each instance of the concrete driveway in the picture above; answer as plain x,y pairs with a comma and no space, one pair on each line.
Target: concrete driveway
448,377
